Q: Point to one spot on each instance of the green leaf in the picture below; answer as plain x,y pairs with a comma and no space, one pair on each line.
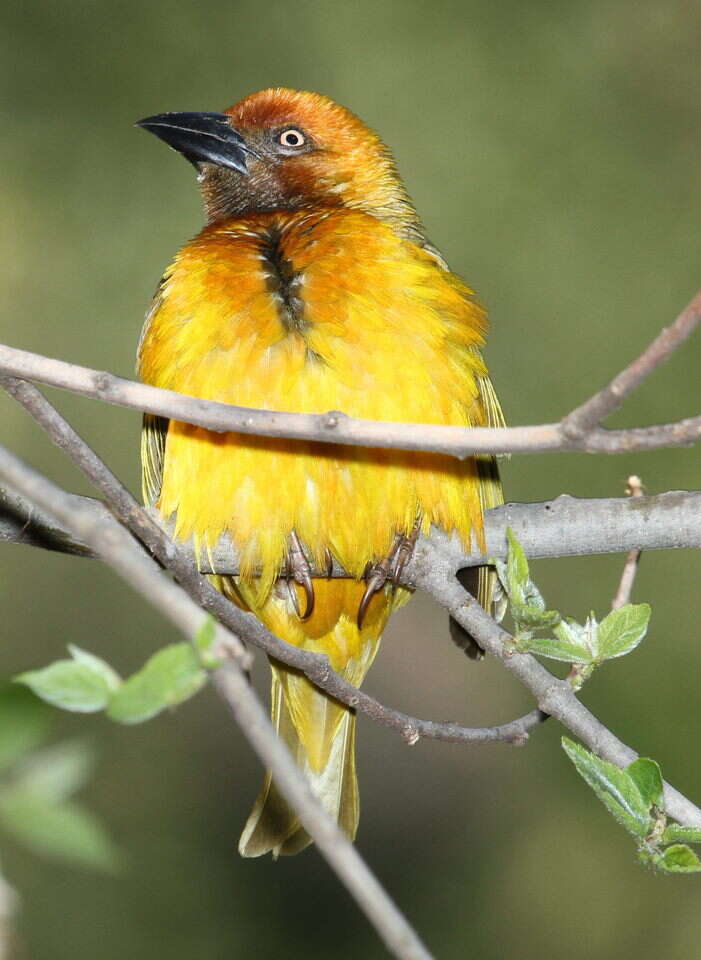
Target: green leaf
527,603
570,642
24,724
62,830
169,677
55,772
556,649
676,833
613,786
110,676
679,859
623,629
69,684
532,617
647,777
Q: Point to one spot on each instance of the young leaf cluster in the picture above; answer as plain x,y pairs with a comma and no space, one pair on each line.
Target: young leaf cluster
634,797
86,684
37,786
585,645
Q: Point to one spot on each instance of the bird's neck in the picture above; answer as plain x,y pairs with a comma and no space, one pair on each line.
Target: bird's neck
228,196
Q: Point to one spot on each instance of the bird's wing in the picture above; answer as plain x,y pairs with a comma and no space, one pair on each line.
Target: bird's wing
482,582
154,429
153,444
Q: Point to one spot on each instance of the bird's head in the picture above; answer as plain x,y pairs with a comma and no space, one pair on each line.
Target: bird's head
284,149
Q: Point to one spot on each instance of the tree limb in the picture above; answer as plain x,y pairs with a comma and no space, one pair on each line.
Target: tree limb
564,527
433,566
590,414
578,430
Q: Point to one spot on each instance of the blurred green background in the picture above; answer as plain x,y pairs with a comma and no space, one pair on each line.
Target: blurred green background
553,152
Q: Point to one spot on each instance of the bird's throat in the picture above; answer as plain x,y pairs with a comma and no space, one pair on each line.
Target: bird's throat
283,282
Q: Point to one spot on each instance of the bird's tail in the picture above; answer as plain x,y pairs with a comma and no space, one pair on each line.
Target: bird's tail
318,730
273,826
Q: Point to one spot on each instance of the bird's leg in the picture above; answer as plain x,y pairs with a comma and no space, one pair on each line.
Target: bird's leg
376,576
390,568
404,553
298,568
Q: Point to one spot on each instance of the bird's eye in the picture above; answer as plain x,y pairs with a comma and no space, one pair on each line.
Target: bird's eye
292,137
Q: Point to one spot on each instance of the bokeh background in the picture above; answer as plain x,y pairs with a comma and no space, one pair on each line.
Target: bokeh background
553,152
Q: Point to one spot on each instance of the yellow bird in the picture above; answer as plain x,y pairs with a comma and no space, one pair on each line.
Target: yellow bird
312,288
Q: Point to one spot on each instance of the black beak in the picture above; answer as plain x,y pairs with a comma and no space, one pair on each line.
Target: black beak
205,137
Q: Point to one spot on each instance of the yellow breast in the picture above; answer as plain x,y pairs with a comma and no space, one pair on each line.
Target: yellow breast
314,312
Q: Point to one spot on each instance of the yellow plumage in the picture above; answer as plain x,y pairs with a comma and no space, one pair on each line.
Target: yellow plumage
384,332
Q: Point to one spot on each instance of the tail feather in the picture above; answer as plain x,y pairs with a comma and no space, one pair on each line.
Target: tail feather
273,826
318,730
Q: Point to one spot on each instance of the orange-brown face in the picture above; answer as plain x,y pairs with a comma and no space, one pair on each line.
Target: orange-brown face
313,146
288,150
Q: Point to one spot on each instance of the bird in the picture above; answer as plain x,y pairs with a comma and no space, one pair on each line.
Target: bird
313,287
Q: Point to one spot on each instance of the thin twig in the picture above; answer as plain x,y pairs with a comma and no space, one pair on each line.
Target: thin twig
332,427
591,413
630,567
578,673
315,666
120,551
433,569
578,430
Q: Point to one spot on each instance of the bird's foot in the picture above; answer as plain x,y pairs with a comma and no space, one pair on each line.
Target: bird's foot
298,569
389,569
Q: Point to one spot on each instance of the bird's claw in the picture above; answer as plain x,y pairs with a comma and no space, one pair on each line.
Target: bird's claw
297,568
390,569
376,575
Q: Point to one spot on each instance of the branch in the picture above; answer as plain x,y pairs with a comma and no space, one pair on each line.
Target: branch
23,523
433,569
630,567
579,430
564,527
433,566
172,556
117,548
